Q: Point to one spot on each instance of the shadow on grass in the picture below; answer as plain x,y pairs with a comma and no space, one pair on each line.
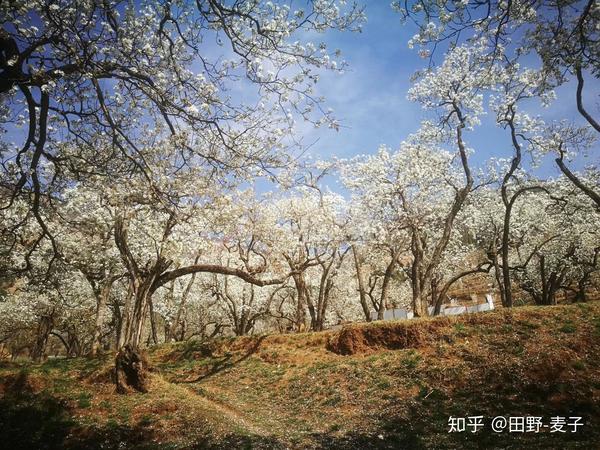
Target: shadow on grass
40,421
416,433
43,422
228,361
30,420
86,366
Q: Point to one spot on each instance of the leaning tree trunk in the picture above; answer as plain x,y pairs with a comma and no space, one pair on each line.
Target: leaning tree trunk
153,327
419,304
172,329
437,299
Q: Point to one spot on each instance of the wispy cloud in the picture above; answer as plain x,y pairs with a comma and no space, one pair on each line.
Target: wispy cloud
370,98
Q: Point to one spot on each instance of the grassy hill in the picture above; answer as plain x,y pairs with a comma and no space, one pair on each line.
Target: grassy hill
379,385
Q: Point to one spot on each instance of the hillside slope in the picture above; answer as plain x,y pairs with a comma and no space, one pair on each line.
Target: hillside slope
380,385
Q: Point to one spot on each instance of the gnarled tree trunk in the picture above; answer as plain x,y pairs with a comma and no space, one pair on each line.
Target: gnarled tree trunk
131,370
131,364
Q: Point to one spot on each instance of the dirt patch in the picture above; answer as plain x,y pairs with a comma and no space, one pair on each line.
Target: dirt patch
551,367
104,375
191,350
22,383
194,350
393,336
243,344
163,407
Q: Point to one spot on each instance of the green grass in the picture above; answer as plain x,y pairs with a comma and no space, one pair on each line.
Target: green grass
411,360
84,400
596,324
579,365
568,327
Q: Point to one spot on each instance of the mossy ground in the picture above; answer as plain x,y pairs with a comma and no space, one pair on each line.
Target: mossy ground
295,391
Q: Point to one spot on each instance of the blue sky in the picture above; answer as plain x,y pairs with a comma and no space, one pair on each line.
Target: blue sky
370,98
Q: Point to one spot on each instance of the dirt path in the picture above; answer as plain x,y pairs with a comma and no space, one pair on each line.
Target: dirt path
230,414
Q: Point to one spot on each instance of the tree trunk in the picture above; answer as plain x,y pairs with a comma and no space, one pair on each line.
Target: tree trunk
420,306
498,275
131,364
436,297
506,286
43,333
325,286
125,318
131,370
63,342
101,301
385,287
140,312
418,302
153,327
183,329
361,285
181,308
302,291
580,295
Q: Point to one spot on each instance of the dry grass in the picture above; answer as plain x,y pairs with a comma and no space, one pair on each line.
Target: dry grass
379,385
